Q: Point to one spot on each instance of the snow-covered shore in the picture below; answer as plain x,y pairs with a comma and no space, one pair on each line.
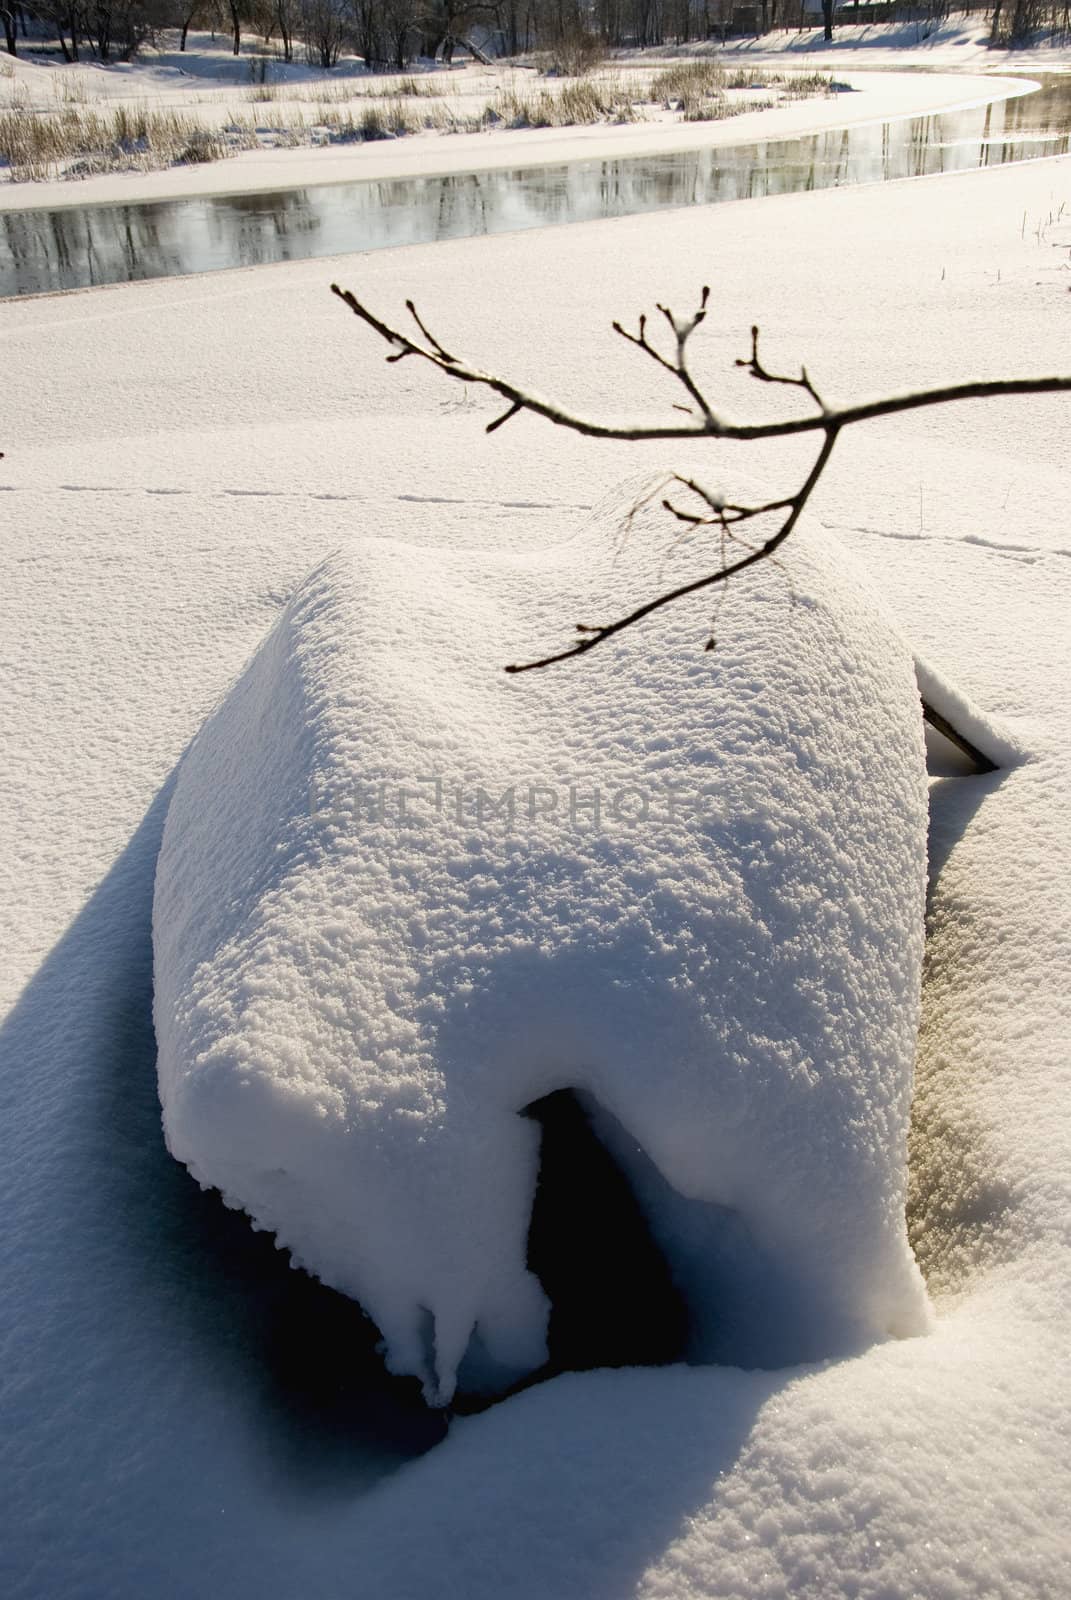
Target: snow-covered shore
873,98
178,455
211,88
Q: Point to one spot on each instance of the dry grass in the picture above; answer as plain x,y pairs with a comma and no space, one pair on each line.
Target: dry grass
698,89
576,53
322,94
40,147
14,95
75,143
576,104
387,119
72,141
718,108
390,118
406,86
418,88
70,90
800,86
686,81
793,85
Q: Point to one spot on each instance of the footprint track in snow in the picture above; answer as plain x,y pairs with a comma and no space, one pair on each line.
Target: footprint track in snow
126,491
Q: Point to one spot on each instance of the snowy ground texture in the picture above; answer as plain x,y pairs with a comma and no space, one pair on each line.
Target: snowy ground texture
179,456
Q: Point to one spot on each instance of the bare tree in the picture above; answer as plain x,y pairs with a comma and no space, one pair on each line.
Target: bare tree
286,15
400,30
445,23
324,29
185,16
67,18
367,22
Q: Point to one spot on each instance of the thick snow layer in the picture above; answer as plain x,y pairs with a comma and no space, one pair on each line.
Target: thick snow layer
401,895
182,1414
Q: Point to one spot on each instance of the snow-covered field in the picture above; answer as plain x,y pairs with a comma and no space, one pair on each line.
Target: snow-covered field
182,1415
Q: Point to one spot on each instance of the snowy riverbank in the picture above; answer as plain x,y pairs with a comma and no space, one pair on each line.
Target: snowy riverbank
209,91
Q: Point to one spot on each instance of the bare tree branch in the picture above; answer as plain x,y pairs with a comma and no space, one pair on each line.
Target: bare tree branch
595,633
682,332
757,370
709,425
954,737
718,514
435,345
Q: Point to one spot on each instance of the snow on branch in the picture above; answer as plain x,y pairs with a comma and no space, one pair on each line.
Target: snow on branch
700,420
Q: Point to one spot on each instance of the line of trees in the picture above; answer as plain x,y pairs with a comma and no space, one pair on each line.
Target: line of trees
391,33
103,30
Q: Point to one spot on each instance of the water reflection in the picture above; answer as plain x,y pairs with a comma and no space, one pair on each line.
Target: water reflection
77,247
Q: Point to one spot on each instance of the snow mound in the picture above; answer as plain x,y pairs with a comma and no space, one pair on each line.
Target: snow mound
402,895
